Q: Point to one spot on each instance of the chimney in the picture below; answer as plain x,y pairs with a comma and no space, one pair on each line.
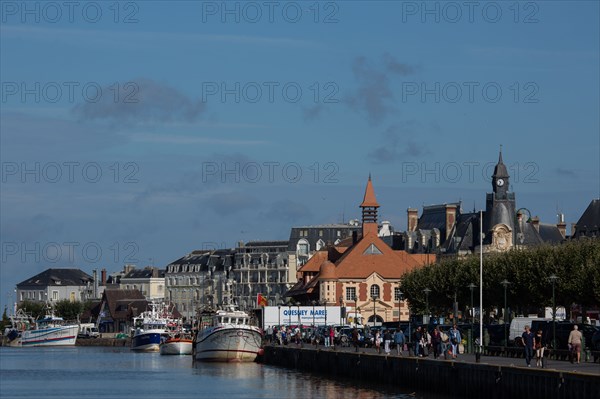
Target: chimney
535,221
450,218
413,219
354,237
103,274
155,272
561,225
573,229
95,283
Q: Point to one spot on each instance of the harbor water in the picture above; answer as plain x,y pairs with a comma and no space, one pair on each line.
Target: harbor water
109,372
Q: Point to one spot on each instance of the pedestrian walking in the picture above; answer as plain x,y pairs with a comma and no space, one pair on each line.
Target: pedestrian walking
575,343
326,336
399,341
355,339
454,340
436,342
332,337
528,338
387,340
377,341
417,341
539,348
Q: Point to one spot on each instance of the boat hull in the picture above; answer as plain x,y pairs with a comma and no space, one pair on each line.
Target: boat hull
177,347
51,336
146,342
228,344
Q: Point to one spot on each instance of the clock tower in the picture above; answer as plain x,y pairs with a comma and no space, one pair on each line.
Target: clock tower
500,208
500,179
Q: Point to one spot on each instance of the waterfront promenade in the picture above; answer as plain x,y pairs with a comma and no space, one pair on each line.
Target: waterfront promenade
558,365
492,377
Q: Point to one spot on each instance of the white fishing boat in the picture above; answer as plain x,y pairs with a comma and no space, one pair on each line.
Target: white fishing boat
19,322
50,331
177,344
151,328
227,336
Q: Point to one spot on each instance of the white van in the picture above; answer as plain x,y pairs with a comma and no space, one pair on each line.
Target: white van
517,327
88,330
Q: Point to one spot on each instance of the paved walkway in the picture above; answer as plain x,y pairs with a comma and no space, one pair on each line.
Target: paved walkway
584,367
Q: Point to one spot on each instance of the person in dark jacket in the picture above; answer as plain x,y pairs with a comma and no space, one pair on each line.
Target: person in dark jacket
539,346
436,342
387,340
528,338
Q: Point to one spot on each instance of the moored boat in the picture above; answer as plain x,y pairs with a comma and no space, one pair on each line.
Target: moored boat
19,322
179,344
226,336
151,328
50,331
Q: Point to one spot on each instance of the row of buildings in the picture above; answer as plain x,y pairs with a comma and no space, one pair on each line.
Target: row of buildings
356,264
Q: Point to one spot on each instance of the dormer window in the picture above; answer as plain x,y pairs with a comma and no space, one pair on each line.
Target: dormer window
372,250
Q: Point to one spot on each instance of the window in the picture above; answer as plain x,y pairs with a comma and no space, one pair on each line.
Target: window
303,247
320,244
396,293
372,250
350,293
320,233
374,291
55,295
339,233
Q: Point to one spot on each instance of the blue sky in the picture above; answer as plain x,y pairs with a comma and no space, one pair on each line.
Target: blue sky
139,131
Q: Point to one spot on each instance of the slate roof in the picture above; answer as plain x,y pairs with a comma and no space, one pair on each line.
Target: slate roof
145,273
589,222
58,277
220,258
550,233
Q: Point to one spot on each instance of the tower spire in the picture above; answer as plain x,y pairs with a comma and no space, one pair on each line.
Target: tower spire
369,209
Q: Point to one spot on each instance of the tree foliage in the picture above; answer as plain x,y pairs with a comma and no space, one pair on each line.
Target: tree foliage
575,263
35,309
68,310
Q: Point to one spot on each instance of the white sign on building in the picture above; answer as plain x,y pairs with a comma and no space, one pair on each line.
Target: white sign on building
561,313
305,315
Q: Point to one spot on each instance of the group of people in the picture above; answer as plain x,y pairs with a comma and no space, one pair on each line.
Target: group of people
536,342
438,342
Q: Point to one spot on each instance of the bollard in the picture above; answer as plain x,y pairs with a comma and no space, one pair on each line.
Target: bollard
477,354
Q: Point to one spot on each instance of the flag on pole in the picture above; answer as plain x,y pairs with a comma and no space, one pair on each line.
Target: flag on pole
261,300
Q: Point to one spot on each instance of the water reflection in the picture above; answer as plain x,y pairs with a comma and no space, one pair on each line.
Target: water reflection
91,372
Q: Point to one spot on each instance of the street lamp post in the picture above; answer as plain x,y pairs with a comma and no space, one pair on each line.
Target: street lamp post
341,306
325,303
553,279
427,291
355,310
375,297
505,283
278,316
313,324
472,287
299,325
399,305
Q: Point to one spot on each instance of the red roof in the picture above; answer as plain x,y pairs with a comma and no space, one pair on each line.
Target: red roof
369,200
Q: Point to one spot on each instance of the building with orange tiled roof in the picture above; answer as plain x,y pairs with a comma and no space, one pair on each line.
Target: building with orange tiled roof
361,273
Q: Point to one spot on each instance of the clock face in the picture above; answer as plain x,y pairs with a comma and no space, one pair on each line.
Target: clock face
500,182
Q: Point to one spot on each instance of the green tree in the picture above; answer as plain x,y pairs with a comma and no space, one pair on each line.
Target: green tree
5,320
68,310
35,309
